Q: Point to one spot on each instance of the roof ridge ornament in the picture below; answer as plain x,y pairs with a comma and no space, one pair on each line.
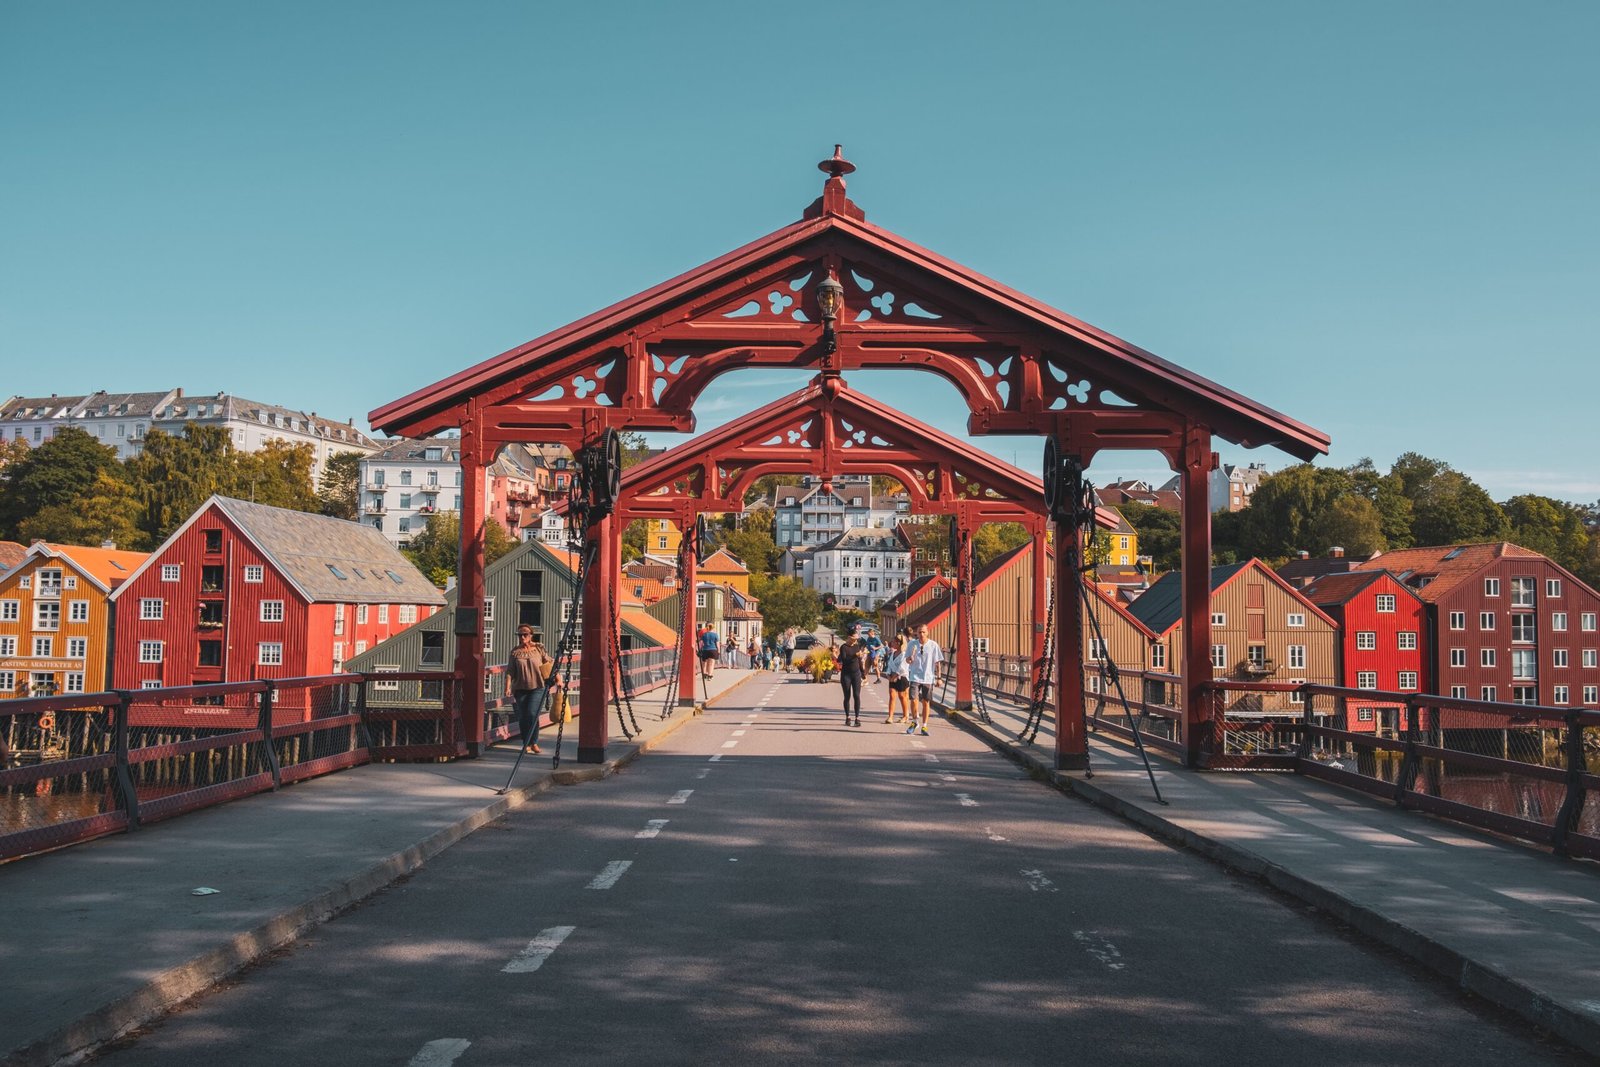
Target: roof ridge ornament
833,200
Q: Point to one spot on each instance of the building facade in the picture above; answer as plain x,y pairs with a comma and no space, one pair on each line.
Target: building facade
1383,643
812,512
860,568
56,626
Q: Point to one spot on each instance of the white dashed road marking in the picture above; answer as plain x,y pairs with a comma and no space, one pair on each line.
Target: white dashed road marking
440,1053
737,733
681,796
929,757
714,759
1040,884
992,835
702,772
966,800
652,828
730,744
1099,948
538,950
608,877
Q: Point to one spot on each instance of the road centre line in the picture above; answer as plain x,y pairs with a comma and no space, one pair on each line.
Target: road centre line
537,951
737,733
439,1053
681,796
652,828
702,772
929,757
715,758
1040,884
609,875
729,744
966,800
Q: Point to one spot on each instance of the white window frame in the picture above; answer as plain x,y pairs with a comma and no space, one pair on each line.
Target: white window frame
1558,657
1366,679
1458,620
1386,603
1586,622
1219,618
361,614
1458,692
1486,621
171,572
383,614
44,647
1559,694
1406,640
8,645
269,654
1491,587
1366,640
1590,657
254,573
1297,657
1558,622
488,638
271,611
1295,620
1552,588
152,651
10,610
385,687
488,609
152,608
72,682
47,614
77,648
1219,657
700,600
1487,657
408,614
1407,680
1591,694
78,611
1158,656
150,683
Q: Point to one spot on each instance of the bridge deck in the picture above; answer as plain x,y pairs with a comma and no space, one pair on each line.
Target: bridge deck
97,937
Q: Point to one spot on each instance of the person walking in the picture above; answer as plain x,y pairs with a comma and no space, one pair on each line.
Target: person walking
923,672
852,668
894,669
528,677
874,653
708,645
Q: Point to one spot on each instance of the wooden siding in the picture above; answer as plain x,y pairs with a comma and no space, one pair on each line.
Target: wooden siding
96,632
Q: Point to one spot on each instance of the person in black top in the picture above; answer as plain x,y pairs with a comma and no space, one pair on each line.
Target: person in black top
852,665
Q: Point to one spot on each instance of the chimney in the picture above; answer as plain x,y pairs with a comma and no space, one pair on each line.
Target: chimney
1336,552
1302,554
108,544
179,392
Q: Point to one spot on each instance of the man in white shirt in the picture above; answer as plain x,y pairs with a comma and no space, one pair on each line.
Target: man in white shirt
923,660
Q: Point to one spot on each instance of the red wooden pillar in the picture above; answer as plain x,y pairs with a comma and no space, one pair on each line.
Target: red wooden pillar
688,654
1072,739
469,592
1041,597
966,669
1201,730
599,586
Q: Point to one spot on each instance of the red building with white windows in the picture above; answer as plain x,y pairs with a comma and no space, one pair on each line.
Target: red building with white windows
1509,624
244,591
1383,643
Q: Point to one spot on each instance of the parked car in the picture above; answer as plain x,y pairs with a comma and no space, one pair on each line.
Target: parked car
803,644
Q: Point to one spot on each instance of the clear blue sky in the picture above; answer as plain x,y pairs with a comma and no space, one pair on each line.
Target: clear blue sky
1378,218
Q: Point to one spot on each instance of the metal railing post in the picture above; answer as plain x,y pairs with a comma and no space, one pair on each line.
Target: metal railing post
1572,803
264,725
361,710
1308,722
126,793
1405,780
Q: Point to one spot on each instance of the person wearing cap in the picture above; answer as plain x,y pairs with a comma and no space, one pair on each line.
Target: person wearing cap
528,680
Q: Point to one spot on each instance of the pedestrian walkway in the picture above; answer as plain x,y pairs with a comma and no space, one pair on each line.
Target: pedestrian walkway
106,935
1514,925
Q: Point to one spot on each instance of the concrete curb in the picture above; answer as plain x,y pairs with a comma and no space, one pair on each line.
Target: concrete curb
1486,981
171,987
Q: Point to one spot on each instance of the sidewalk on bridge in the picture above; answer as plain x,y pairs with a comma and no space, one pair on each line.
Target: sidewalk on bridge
105,936
1507,922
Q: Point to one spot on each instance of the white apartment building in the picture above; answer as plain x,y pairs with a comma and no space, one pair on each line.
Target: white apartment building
807,514
860,567
407,482
122,420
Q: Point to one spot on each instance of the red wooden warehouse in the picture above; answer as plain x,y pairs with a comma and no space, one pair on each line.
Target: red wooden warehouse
1383,643
243,591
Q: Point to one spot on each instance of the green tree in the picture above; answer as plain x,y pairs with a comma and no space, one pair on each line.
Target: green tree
278,475
340,491
785,602
635,449
60,472
1550,526
994,539
1351,522
436,551
1160,533
1452,509
754,544
1286,508
1387,494
106,513
174,475
633,540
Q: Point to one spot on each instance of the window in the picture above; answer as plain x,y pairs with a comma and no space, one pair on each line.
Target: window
1363,715
1366,640
1552,588
272,611
1458,657
1406,640
151,607
1558,694
1522,627
44,646
8,646
1486,693
338,619
1386,603
1486,657
254,573
433,648
1219,657
150,683
699,600
1408,679
531,583
1586,622
1296,620
361,646
213,541
10,610
661,542
405,500
361,614
210,654
1297,697
566,610
1219,618
408,613
1558,657
74,683
269,654
405,477
488,610
1558,621
488,638
1297,657
1522,592
46,615
1458,620
1524,694
1367,680
1591,694
70,582
1589,657
1458,692
77,647
1097,649
78,611
1486,620
383,614
150,651
1491,587
338,657
1158,656
170,571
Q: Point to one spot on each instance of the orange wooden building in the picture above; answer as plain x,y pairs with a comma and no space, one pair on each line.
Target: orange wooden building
56,628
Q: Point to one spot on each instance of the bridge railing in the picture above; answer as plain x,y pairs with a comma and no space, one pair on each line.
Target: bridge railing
1151,697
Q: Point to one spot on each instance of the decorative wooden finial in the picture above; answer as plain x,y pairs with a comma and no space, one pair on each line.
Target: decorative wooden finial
838,166
833,200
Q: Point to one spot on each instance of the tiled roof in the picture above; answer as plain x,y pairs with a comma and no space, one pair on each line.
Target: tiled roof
860,538
404,450
723,562
1338,588
11,554
38,407
1444,567
1300,571
108,566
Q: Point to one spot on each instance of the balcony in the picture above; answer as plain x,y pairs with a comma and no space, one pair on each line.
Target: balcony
426,509
374,509
374,486
1256,668
47,592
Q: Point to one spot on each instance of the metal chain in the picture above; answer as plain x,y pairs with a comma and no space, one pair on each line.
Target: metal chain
619,695
564,655
967,604
1041,681
683,627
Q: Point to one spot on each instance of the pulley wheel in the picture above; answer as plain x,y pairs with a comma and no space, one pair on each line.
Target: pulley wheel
1052,475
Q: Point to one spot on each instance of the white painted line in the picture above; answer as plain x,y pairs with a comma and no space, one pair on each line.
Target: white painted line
1099,948
538,950
702,772
737,733
681,796
652,828
929,757
440,1053
714,759
730,744
966,800
992,835
918,744
1040,884
946,776
608,877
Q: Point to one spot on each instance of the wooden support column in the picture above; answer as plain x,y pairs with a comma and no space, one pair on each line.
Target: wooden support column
1201,724
599,586
688,654
469,662
1041,597
966,669
1072,739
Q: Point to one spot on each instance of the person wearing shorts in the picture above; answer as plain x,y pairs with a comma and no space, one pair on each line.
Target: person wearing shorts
923,671
894,669
709,648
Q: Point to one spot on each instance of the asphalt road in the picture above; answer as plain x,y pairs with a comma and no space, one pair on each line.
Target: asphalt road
769,886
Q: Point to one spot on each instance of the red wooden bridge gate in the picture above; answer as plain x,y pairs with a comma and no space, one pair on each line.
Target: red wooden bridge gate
834,293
